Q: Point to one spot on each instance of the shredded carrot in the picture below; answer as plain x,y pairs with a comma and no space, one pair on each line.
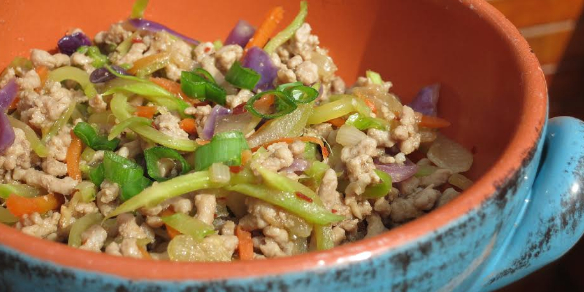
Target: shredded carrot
43,73
203,142
189,125
148,61
174,88
20,206
433,122
144,252
171,231
146,111
14,103
367,101
73,157
337,122
267,28
264,103
310,139
245,244
245,157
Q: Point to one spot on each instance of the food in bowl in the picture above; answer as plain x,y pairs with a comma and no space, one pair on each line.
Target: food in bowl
149,144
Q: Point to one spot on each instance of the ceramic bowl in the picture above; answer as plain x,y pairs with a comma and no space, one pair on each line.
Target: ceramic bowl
523,211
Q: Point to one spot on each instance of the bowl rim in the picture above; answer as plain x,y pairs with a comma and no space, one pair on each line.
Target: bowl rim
515,154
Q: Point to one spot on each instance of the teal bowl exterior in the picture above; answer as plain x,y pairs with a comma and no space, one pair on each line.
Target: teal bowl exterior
533,218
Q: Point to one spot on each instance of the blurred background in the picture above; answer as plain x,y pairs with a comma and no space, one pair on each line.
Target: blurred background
555,31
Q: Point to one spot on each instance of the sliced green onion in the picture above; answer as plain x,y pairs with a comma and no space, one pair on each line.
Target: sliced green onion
282,183
154,154
119,106
139,8
80,226
6,217
119,128
88,135
374,77
242,77
381,189
302,94
126,173
205,74
289,31
317,171
309,211
75,74
97,174
219,173
99,59
225,147
204,88
188,225
283,104
283,87
332,110
425,170
364,123
35,143
218,44
18,189
86,191
59,123
324,237
165,190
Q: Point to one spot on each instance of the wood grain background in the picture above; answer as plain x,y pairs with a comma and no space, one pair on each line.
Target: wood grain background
555,31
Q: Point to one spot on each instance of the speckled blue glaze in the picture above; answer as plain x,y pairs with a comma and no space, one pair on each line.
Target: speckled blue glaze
532,219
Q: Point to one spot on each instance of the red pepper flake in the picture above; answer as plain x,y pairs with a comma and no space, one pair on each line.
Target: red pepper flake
207,49
303,197
334,211
240,109
235,169
137,40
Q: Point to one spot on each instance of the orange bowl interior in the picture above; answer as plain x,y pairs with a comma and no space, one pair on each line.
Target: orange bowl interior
492,89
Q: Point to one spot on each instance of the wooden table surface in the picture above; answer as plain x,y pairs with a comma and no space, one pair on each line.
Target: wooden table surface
555,31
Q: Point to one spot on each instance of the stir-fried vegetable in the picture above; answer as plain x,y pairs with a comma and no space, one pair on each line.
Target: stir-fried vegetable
188,225
281,106
242,77
70,43
18,189
151,26
7,135
220,173
99,59
126,173
381,189
119,128
259,61
59,123
6,217
310,139
88,135
85,191
323,237
240,34
80,226
97,174
35,143
155,154
194,85
119,106
139,8
268,26
331,110
225,147
150,64
75,74
245,244
363,123
20,206
291,125
374,77
73,157
448,154
289,31
433,122
282,183
8,94
165,190
153,93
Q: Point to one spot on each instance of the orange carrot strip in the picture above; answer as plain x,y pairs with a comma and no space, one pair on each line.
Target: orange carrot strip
146,111
203,142
174,88
43,73
144,252
433,122
155,60
14,103
20,206
310,139
267,28
73,157
338,122
370,104
245,157
245,244
189,125
171,231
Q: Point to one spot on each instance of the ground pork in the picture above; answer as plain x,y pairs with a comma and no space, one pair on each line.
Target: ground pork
135,53
262,214
38,226
278,156
437,178
42,110
115,35
242,96
374,225
327,191
227,55
180,59
93,238
383,138
360,167
54,167
44,58
206,205
48,182
98,104
407,131
29,81
106,197
303,43
17,155
58,144
7,75
201,113
82,61
338,85
448,195
307,73
412,206
168,124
